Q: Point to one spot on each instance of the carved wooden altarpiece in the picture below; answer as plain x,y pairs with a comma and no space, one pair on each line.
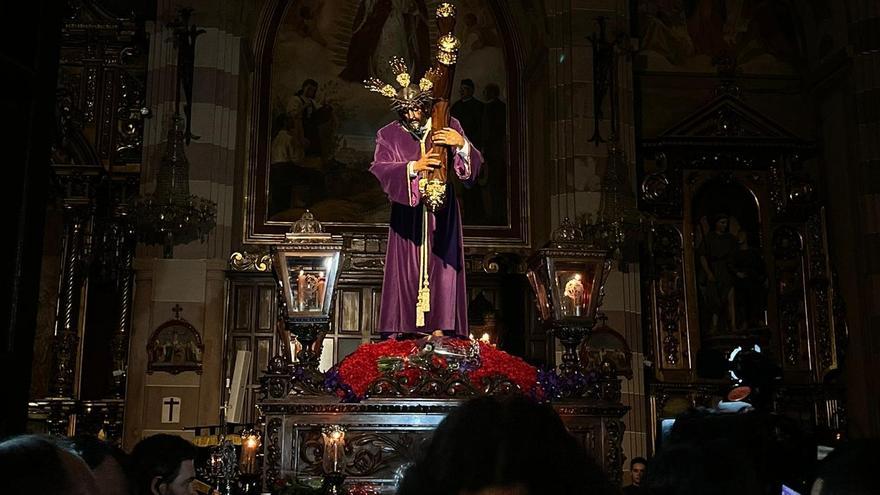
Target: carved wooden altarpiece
729,193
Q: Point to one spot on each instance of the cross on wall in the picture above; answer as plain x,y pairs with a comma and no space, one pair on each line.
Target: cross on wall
171,402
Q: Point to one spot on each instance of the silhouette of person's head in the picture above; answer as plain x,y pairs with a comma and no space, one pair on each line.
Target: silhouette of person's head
466,88
511,445
109,464
37,464
637,468
729,454
849,470
492,91
163,465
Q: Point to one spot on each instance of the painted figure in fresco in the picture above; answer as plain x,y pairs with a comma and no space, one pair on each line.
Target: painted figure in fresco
469,111
716,280
297,151
402,152
495,154
385,29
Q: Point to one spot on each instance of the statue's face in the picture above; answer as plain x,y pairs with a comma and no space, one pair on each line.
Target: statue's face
414,118
721,225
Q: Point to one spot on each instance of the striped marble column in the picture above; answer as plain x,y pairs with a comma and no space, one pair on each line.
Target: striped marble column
195,279
212,156
578,166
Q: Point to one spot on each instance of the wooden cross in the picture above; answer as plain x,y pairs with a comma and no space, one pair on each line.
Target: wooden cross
177,310
171,402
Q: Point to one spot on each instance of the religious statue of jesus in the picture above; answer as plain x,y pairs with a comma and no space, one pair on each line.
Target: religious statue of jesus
423,290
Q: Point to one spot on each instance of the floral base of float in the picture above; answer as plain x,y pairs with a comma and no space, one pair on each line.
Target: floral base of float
442,367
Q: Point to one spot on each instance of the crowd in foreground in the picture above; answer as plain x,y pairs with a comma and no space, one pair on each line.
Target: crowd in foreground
490,446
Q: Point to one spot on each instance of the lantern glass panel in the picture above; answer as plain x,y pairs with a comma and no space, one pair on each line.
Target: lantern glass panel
574,284
541,294
310,282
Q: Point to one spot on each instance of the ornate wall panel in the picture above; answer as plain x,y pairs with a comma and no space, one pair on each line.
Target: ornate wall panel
737,257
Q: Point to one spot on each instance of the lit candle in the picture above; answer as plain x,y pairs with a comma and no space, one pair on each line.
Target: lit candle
301,290
574,290
250,444
334,438
322,287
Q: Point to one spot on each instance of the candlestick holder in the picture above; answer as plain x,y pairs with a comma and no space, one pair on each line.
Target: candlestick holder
334,451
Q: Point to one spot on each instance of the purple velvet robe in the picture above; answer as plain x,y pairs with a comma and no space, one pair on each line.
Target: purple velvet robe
395,148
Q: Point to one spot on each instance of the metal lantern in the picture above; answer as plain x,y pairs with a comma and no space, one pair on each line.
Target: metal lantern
568,276
307,269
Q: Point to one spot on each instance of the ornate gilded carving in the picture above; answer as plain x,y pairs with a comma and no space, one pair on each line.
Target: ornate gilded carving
820,287
441,384
777,189
446,9
364,263
668,290
788,250
273,452
245,261
130,113
614,453
372,453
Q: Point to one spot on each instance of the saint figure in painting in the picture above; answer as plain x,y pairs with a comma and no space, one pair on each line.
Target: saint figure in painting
402,153
384,29
717,279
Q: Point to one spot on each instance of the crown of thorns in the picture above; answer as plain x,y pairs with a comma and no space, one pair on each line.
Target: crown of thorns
408,96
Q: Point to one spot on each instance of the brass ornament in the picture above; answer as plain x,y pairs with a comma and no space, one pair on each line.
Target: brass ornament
433,193
408,96
401,73
377,86
448,46
446,9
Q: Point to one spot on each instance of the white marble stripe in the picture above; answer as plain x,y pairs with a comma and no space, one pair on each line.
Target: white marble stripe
209,48
203,124
215,192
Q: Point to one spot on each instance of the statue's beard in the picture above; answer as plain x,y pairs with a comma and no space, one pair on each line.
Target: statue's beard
413,125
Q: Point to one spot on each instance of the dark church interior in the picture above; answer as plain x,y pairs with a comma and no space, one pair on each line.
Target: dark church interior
465,247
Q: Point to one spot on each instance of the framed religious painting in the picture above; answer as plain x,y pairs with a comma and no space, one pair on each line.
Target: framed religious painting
314,124
174,347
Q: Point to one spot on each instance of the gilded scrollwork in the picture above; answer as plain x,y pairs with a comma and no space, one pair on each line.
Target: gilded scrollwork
614,444
272,468
668,290
244,261
788,251
820,287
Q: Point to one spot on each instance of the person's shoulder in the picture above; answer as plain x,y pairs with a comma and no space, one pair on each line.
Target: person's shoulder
393,127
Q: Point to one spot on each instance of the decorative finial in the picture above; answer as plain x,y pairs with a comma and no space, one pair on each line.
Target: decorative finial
447,53
446,9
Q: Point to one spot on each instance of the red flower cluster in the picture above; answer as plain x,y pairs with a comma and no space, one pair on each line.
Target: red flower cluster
360,369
